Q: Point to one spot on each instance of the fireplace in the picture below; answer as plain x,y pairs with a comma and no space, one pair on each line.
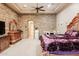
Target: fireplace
2,27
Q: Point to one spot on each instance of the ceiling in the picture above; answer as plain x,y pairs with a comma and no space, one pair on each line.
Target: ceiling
29,8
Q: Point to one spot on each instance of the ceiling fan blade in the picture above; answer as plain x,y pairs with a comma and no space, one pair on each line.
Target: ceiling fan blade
41,6
42,10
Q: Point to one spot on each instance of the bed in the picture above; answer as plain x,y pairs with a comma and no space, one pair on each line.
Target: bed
61,44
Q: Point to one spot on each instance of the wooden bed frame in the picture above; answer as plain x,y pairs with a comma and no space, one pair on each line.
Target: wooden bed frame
74,21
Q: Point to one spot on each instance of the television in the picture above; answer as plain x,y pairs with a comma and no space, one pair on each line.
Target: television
2,27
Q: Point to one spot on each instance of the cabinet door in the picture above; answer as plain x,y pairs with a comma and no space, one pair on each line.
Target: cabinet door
4,43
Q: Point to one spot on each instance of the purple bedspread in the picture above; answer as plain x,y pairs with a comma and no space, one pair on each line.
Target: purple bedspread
67,43
59,38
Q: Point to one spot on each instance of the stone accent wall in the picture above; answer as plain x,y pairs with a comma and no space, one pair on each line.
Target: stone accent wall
6,14
43,22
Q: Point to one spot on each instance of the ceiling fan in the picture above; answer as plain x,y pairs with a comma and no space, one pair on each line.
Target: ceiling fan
39,8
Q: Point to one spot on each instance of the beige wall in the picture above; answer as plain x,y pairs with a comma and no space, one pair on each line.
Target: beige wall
7,15
43,22
66,16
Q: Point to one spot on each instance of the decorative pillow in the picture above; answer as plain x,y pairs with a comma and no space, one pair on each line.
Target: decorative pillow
69,32
50,36
72,33
77,34
47,34
51,33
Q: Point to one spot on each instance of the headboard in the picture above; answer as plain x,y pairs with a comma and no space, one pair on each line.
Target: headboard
74,21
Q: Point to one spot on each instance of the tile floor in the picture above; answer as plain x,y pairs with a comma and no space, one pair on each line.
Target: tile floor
25,47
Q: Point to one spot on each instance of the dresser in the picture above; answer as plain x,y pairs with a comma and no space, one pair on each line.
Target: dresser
4,42
14,36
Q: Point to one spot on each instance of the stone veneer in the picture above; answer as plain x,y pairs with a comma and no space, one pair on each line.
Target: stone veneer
6,14
43,22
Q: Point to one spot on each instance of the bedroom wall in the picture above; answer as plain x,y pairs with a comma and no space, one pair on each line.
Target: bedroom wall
43,22
7,15
66,16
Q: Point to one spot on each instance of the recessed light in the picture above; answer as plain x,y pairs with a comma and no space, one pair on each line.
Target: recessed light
49,5
25,6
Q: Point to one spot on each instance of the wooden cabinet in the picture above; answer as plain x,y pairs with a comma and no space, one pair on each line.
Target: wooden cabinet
4,42
14,36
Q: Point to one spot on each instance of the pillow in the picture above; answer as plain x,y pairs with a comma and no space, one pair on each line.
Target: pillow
69,32
47,34
72,33
51,33
50,36
77,35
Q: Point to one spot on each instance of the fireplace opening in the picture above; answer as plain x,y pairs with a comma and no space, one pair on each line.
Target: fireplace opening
2,27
